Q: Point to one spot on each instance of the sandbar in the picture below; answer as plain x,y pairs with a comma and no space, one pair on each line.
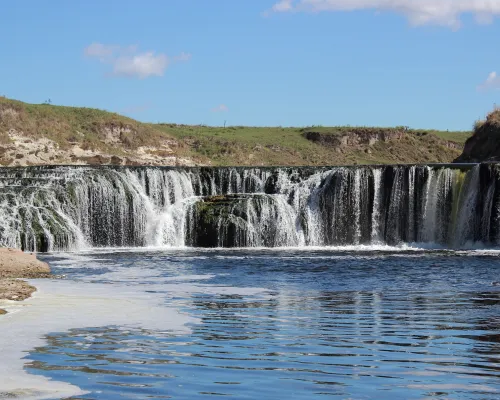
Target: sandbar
16,264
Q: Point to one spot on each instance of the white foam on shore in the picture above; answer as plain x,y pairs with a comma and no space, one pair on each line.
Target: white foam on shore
59,306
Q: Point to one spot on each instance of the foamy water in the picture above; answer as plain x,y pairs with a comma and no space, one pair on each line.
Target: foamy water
125,300
59,306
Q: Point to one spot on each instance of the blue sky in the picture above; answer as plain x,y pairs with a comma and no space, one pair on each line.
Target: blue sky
420,63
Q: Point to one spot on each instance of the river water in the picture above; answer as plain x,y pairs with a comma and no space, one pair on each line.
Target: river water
345,323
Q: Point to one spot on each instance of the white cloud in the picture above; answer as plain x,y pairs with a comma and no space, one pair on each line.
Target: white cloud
220,108
491,83
127,61
419,12
141,65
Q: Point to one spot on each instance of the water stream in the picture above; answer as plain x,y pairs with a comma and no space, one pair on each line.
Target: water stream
72,208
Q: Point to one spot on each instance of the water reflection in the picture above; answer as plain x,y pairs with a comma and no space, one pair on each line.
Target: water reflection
317,332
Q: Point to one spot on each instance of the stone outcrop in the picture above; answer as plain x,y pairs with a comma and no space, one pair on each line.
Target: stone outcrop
363,138
484,144
355,136
24,150
213,213
234,220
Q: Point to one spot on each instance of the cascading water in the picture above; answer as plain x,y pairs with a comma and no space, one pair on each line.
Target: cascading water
65,208
377,189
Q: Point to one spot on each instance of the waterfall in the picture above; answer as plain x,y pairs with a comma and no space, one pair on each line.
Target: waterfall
396,209
437,209
377,193
70,208
466,215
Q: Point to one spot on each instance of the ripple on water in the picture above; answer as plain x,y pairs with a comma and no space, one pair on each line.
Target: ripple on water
369,326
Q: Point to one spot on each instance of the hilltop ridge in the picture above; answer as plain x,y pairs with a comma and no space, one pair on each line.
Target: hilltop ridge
45,134
484,144
34,134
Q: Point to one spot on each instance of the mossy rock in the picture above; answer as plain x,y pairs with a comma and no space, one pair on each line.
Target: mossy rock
224,221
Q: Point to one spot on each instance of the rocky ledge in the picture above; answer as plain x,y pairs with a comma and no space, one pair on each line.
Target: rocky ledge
365,137
484,144
15,264
354,136
235,220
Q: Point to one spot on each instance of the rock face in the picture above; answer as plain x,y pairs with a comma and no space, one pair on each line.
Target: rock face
241,220
363,138
23,150
220,221
484,145
356,136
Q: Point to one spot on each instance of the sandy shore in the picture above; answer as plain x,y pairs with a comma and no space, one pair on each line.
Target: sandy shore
15,264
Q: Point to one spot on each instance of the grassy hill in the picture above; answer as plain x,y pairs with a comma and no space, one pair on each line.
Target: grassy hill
68,125
239,145
43,133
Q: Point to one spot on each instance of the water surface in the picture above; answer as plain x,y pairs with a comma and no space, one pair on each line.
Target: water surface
297,324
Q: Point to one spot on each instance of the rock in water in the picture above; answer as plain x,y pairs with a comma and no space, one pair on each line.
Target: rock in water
243,220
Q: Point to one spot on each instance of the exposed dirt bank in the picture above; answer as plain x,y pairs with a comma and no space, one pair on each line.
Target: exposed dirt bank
484,144
16,264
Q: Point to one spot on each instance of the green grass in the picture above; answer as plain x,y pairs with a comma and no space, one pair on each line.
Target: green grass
238,145
459,137
233,145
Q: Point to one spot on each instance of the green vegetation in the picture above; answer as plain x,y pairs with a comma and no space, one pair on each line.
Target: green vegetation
113,134
238,145
459,137
492,119
66,126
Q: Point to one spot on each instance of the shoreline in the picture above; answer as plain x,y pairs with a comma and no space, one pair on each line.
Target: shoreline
61,305
14,266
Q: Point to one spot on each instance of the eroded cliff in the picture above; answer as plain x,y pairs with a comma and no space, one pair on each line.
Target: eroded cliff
484,144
